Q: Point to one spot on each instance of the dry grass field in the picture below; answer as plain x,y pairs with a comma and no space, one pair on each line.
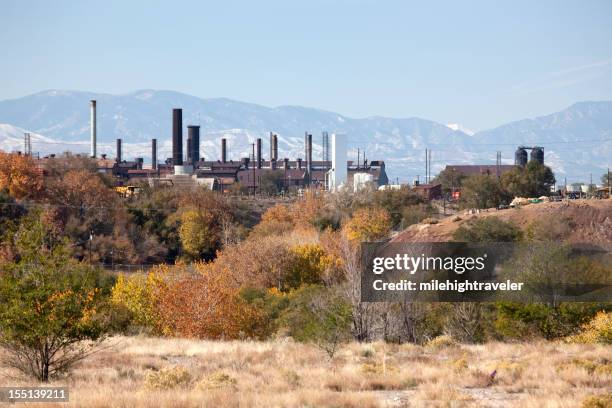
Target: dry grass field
155,372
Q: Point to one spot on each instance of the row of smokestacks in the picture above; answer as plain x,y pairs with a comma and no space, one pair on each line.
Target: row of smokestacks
193,145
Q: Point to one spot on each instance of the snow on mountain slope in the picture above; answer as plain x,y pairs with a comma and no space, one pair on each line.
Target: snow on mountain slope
137,117
461,128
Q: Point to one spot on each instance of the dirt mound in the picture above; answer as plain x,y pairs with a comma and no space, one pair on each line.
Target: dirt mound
591,220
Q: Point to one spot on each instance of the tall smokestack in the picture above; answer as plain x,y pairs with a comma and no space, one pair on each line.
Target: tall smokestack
271,145
193,135
93,126
308,157
118,151
275,146
189,147
154,154
223,150
259,153
177,137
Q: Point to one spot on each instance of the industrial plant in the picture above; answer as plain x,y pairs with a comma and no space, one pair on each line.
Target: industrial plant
255,173
331,172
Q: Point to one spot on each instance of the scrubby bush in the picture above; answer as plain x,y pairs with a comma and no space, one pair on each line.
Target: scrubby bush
167,378
598,401
414,214
598,330
218,379
320,316
441,342
396,202
51,308
521,321
488,229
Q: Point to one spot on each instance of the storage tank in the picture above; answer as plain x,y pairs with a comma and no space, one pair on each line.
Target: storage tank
574,188
520,157
360,180
537,154
338,173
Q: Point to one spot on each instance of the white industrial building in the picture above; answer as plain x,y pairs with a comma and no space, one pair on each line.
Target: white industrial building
337,175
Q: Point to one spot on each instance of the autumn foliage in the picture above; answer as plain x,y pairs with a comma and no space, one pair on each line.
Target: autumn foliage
206,305
368,224
20,176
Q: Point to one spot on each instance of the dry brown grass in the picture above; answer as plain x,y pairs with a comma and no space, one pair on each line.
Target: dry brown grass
144,371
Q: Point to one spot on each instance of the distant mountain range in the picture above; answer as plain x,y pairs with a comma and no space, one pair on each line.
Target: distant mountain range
59,121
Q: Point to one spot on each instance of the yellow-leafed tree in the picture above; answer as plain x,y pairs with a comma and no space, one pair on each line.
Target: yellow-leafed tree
368,224
198,233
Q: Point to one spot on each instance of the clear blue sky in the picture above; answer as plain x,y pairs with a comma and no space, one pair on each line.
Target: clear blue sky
478,63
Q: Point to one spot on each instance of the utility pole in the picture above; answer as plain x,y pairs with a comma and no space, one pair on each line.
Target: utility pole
429,168
426,166
90,239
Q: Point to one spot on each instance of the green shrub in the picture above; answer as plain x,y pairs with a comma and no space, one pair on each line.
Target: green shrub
318,315
52,313
488,229
519,321
414,214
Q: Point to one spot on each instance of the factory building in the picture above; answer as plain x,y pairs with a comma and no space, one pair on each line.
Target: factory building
480,169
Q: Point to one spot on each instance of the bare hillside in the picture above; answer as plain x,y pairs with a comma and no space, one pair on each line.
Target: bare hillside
592,221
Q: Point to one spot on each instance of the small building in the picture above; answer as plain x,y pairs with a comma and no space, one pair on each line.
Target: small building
428,191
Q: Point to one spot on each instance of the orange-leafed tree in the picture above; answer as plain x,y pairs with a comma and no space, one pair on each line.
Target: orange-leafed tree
20,176
260,262
206,305
81,188
276,220
308,208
